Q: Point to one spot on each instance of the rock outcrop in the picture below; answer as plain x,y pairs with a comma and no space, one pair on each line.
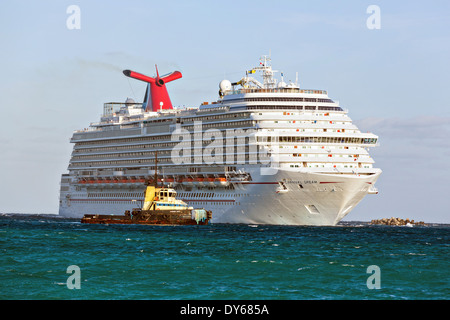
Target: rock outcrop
397,222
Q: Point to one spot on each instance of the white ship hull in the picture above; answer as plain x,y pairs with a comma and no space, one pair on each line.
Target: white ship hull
310,199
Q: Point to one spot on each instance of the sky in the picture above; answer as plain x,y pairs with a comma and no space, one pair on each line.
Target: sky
394,80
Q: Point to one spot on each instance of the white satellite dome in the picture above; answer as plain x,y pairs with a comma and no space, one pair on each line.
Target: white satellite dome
282,84
130,101
224,85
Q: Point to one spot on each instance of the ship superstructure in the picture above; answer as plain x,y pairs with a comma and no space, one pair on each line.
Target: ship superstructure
264,152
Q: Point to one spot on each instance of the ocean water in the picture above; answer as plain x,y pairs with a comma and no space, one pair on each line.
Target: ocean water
225,262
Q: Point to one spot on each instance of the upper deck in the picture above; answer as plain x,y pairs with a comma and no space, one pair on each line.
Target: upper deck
273,90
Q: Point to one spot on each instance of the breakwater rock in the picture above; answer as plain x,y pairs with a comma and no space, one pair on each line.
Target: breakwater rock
397,222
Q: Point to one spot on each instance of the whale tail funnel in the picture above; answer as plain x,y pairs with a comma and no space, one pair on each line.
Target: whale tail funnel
157,98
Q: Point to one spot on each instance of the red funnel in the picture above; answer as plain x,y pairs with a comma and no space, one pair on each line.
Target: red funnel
160,97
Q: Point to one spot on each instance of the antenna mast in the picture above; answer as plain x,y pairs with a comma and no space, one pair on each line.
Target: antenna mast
267,72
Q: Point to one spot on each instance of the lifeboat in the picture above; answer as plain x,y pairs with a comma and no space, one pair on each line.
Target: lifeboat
211,182
188,181
123,181
201,181
170,181
195,181
222,181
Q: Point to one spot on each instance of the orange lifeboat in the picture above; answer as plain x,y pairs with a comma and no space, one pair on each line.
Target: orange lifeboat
211,182
200,181
188,181
170,181
222,181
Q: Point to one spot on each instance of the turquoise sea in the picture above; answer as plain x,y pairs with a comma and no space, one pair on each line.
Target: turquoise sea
224,262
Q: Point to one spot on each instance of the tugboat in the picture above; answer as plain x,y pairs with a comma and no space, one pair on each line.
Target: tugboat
160,208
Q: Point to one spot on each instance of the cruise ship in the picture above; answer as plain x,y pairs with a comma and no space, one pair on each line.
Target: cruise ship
266,152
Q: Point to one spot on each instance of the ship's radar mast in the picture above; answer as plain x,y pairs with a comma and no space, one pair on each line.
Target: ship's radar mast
248,82
265,66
